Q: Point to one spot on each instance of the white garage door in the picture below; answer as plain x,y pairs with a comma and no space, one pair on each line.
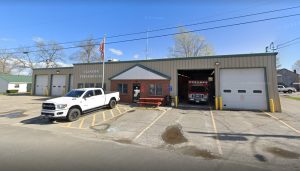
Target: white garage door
243,88
58,86
41,85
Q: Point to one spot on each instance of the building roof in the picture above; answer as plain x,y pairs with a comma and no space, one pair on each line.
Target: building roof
140,72
284,69
168,59
16,78
184,58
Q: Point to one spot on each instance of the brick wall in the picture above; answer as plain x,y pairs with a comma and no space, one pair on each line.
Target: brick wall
128,98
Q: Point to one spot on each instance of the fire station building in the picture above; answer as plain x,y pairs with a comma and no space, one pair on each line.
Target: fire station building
242,81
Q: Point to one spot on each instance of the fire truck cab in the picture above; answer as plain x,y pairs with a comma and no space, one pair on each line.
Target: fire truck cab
198,91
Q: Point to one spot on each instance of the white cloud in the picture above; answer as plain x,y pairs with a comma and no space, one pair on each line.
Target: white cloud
136,56
5,39
37,39
116,51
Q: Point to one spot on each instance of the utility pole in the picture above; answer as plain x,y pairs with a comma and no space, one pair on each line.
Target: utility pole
147,45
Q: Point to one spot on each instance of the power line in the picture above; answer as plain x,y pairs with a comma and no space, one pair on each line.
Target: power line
297,38
287,45
171,34
168,28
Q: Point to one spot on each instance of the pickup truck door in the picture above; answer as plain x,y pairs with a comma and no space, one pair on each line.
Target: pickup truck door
88,100
99,97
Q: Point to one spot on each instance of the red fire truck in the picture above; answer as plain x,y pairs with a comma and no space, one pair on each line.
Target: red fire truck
198,91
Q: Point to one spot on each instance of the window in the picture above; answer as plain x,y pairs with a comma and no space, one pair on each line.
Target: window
241,91
98,92
89,85
227,91
80,85
99,85
89,94
74,93
155,89
198,89
17,85
257,91
123,88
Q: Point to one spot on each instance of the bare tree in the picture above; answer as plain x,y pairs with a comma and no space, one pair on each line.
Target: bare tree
25,59
88,52
190,45
278,65
296,66
49,53
8,62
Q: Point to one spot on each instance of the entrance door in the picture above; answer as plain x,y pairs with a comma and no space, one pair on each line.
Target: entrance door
136,89
243,88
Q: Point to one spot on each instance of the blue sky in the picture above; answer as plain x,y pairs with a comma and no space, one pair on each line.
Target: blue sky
22,22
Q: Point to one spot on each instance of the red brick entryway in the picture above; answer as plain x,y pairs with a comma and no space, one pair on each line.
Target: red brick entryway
148,88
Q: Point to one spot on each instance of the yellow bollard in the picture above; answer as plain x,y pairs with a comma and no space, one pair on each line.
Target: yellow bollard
46,92
272,107
176,101
216,103
64,91
220,103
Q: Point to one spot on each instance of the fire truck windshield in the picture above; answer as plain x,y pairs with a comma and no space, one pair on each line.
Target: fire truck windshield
198,89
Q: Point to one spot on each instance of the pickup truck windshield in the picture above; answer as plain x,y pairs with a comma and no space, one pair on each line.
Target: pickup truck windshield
74,93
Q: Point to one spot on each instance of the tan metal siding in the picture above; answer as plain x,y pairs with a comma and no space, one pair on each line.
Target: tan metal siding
169,67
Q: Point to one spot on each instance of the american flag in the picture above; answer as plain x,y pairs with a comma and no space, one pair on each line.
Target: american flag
101,48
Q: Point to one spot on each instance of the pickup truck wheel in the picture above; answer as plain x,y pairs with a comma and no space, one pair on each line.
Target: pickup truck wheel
73,114
112,103
290,91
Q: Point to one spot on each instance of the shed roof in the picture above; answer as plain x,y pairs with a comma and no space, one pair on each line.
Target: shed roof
16,78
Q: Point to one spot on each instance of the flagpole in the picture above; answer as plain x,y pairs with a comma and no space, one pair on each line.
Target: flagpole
103,62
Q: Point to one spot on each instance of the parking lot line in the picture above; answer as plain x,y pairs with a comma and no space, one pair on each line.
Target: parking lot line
69,124
118,110
289,126
94,119
103,115
152,123
91,121
216,132
81,123
112,113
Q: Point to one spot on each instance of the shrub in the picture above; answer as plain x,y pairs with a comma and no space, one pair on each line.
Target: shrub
12,91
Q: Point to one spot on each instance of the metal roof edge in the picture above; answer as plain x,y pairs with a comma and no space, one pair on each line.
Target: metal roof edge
53,68
185,58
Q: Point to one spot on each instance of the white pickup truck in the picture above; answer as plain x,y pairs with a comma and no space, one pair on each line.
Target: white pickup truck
282,88
77,102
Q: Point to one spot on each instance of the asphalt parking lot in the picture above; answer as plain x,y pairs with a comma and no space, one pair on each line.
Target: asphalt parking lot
267,141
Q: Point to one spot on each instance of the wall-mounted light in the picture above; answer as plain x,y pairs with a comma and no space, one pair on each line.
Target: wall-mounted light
57,71
217,63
